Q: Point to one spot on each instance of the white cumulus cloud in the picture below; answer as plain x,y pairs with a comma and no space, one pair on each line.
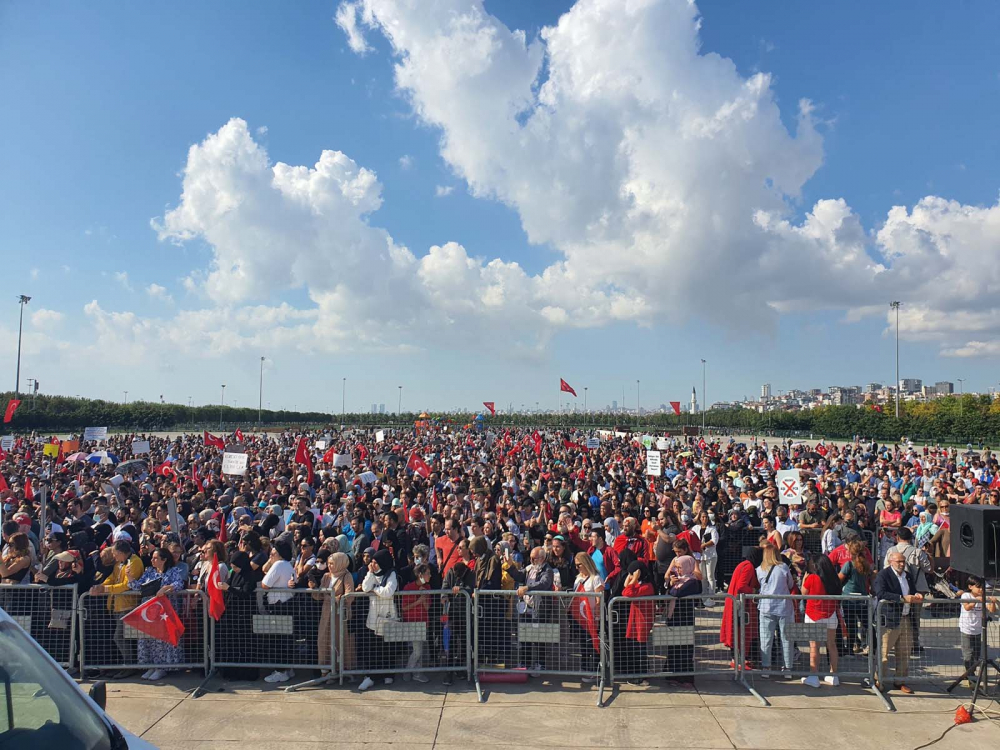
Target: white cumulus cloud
443,190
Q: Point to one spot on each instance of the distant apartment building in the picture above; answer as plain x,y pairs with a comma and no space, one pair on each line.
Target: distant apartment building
944,388
910,385
765,392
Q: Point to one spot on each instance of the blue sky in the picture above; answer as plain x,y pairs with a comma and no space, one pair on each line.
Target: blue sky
103,105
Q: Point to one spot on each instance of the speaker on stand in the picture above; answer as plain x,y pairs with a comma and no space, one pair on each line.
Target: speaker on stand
975,550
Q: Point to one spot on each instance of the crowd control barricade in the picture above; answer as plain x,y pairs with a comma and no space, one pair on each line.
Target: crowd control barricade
276,628
48,614
544,633
926,646
771,624
683,637
410,634
108,643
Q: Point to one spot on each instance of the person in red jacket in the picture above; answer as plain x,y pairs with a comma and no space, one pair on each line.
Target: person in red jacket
631,539
638,583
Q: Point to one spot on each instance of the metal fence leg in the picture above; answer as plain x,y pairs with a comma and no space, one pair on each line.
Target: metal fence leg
475,646
875,654
209,630
740,618
603,634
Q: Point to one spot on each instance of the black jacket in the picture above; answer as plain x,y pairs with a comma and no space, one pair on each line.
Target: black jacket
887,589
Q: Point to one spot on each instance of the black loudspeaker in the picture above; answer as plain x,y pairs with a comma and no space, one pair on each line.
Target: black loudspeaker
975,539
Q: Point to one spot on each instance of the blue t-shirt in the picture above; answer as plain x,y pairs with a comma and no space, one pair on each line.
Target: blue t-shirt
598,557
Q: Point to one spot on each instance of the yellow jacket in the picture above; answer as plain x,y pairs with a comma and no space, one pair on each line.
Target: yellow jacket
120,599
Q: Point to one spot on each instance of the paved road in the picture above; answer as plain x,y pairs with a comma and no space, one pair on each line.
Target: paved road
719,715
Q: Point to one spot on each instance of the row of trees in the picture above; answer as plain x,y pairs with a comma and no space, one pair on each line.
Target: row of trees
62,413
953,419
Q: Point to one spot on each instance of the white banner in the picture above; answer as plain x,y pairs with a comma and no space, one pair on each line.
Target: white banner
368,477
95,433
343,459
662,444
321,445
139,447
593,443
380,436
7,442
789,487
653,463
234,464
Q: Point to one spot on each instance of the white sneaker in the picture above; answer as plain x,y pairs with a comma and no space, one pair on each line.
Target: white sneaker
156,674
420,677
146,674
812,681
832,679
387,681
588,680
366,683
277,676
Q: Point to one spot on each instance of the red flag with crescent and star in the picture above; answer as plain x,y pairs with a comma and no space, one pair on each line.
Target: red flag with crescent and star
11,408
491,405
566,387
213,441
158,619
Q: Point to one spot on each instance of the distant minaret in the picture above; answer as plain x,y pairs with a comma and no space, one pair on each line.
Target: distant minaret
694,401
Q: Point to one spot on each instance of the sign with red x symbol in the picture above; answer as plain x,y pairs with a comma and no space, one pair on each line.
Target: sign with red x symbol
789,488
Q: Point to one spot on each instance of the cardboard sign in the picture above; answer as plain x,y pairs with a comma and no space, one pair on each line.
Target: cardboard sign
653,463
95,433
789,487
321,445
368,477
380,436
662,444
7,442
139,447
593,443
343,459
234,464
70,446
647,441
51,450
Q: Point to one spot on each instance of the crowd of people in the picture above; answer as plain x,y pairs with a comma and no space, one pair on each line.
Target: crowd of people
368,520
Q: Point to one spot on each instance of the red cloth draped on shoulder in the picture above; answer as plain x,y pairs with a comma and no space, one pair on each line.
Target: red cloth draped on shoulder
744,581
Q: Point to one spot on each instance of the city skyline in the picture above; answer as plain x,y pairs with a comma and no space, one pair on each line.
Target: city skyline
311,184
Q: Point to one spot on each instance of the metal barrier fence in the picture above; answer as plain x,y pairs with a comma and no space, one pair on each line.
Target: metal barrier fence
779,641
411,633
667,637
108,643
559,633
48,614
277,628
926,646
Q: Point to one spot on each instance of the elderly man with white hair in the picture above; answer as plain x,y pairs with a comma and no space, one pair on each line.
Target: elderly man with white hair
896,588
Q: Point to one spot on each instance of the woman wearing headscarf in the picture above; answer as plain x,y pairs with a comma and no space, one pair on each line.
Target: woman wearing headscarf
381,584
638,583
336,579
611,530
744,581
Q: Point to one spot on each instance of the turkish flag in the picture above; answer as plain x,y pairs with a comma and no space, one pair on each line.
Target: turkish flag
418,466
165,470
536,438
11,408
777,463
157,619
216,602
362,452
566,387
491,406
302,457
583,613
195,478
676,406
4,487
702,445
213,441
239,435
328,456
29,494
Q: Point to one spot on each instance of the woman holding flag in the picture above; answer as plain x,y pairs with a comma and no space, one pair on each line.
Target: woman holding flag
161,578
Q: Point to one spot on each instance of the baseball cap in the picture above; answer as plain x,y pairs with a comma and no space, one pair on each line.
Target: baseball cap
68,556
22,519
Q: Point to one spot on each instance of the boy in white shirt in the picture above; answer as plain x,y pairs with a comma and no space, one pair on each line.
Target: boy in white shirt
970,623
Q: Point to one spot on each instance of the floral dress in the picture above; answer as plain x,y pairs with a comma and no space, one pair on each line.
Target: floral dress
152,651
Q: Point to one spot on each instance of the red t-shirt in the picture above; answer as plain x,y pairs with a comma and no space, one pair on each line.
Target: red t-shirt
415,607
817,609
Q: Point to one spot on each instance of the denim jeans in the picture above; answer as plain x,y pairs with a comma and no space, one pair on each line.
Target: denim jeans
768,624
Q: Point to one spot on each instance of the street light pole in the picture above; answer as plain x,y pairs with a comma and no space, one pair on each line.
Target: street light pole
222,405
399,406
704,398
343,398
894,305
126,398
260,396
22,300
961,392
637,407
585,404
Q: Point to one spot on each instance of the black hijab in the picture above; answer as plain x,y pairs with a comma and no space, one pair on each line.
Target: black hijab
383,558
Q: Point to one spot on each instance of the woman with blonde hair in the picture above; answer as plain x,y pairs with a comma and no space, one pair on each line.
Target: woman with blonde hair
775,580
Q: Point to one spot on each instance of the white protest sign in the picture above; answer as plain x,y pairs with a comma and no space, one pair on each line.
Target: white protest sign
321,445
380,436
653,463
139,447
662,444
647,441
7,442
234,463
95,433
789,487
368,477
343,459
593,443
